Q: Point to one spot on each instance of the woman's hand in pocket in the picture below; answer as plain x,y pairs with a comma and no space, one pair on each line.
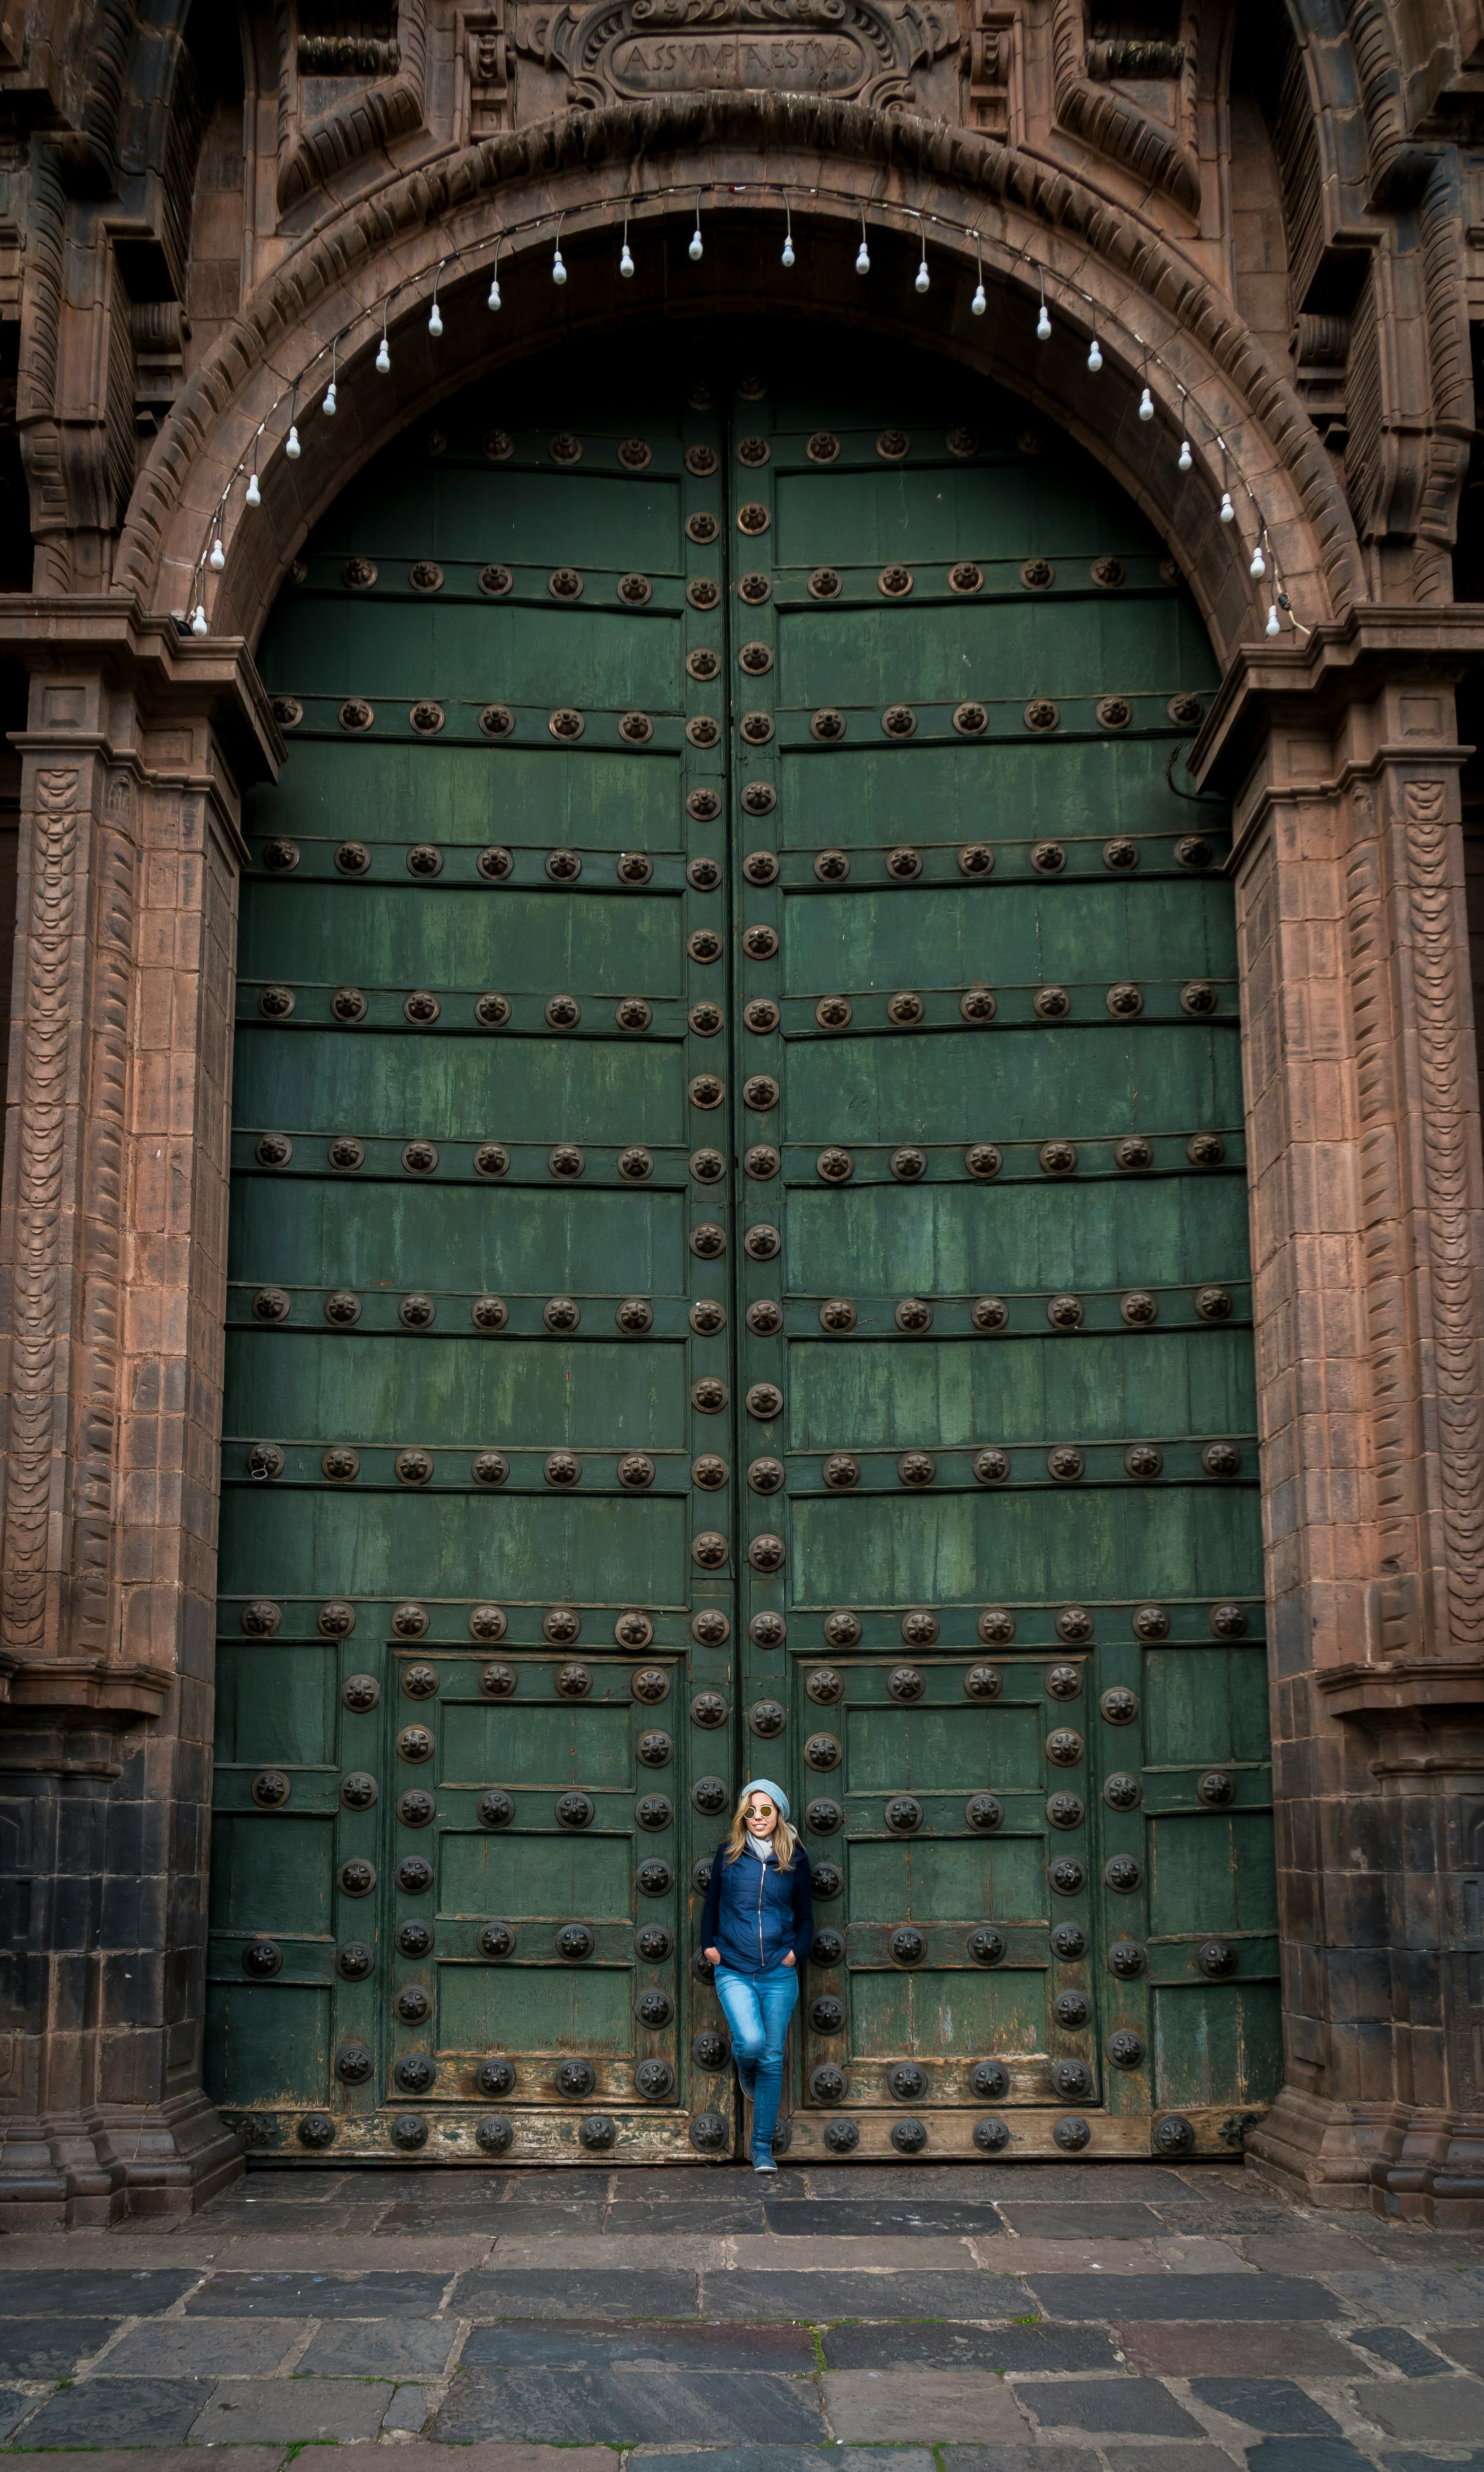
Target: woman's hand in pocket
790,1959
712,1956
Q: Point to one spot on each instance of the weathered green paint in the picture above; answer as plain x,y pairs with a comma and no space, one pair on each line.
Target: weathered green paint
457,1194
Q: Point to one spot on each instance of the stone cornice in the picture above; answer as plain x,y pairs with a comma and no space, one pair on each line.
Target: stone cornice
1310,683
174,674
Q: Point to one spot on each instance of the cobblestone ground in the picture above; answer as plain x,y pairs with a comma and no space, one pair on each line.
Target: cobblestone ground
1032,2320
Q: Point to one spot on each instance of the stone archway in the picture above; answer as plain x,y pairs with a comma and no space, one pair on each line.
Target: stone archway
1340,746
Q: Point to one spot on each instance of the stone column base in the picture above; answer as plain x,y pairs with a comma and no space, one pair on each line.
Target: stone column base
115,2163
1387,2160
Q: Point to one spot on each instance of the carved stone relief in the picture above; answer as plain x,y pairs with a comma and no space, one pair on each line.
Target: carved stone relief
860,50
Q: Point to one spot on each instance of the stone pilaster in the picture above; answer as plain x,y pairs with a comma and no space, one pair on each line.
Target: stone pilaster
1367,1201
112,1268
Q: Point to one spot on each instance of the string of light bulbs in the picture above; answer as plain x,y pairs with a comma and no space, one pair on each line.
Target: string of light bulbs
213,558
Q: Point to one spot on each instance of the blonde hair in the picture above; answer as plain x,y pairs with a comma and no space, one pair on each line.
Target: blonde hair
784,1841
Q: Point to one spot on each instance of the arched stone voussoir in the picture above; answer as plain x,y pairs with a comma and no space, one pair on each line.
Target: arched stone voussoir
1156,322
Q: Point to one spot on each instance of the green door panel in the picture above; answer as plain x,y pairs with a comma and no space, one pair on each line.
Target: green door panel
463,938
383,1233
390,792
1013,1084
1082,791
448,1088
272,1874
266,2047
739,1258
385,1542
1114,1544
958,1240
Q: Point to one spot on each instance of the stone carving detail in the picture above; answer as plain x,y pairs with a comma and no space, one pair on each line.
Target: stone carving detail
861,49
1393,1387
42,1134
1441,1044
1103,118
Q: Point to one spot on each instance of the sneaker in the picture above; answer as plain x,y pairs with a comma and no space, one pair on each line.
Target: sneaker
763,2163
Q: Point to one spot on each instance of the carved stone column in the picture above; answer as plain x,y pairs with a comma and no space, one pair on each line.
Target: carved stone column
1368,1210
112,1268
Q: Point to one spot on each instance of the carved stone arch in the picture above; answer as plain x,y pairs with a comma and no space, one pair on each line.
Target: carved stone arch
1145,297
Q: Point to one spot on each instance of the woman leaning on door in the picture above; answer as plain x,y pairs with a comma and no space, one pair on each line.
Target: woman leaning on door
756,1929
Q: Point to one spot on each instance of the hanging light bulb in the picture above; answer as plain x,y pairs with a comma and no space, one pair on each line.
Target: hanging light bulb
217,559
1185,459
1228,510
558,269
290,444
1146,406
697,245
198,622
921,278
1259,564
863,253
626,262
254,496
434,321
493,301
1044,322
1094,358
384,356
788,241
979,304
328,405
1271,629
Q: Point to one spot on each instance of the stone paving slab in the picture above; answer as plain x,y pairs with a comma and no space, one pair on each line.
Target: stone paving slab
1128,2406
1303,2454
1457,2462
932,2405
1177,2459
633,2254
1464,2345
248,2411
756,2459
563,2291
629,2406
1273,2405
782,2347
1189,2348
1122,2220
927,2252
711,2219
1254,2297
367,2348
894,2218
440,2255
195,2459
427,2457
1112,2257
1441,2407
234,2293
1402,2350
824,2294
1043,2457
203,2347
66,2291
124,2411
1415,2296
1000,2348
51,2347
1303,2251
12,2408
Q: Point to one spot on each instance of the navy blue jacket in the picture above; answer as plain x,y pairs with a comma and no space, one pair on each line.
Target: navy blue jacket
755,1914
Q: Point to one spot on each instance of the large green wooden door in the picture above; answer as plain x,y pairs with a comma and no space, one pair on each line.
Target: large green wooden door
813,744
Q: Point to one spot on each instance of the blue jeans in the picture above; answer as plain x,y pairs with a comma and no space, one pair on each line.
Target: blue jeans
758,2008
